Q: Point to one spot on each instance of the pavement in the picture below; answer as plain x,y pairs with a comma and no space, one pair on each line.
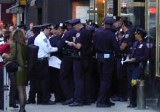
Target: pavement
119,107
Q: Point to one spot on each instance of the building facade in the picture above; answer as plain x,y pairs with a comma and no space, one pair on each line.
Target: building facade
55,11
6,18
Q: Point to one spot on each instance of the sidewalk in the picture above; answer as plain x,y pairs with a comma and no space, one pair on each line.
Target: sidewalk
119,107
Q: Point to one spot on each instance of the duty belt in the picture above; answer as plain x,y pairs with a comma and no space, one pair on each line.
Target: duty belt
104,55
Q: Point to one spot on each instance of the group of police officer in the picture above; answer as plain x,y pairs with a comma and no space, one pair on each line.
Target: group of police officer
90,57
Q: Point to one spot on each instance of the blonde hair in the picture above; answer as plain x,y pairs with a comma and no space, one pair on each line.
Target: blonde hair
18,36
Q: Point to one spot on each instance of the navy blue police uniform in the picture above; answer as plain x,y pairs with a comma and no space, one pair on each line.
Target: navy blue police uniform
105,45
127,38
135,68
66,71
81,65
55,85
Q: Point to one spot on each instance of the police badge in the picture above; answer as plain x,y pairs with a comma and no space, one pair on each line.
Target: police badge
78,35
127,35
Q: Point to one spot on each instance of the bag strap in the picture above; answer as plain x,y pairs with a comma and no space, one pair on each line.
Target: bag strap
16,52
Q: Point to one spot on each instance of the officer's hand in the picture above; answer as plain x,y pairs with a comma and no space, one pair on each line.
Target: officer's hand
74,39
70,43
132,59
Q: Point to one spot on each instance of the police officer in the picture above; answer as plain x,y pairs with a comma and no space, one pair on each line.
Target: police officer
105,46
66,71
55,41
43,70
32,62
125,38
81,64
138,56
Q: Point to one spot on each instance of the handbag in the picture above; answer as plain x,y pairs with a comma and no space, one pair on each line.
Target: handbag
12,66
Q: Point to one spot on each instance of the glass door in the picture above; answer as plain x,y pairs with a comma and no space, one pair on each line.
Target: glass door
109,7
157,38
133,10
152,38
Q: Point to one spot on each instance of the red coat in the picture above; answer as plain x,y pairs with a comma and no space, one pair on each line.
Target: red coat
4,48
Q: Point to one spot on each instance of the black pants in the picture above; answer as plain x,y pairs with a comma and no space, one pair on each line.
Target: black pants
83,80
55,85
43,81
13,89
105,67
1,89
66,77
33,83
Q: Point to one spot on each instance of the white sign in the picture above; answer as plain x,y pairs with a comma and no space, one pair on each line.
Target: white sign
54,62
81,13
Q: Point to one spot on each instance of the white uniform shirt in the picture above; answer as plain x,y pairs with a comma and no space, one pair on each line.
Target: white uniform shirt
44,46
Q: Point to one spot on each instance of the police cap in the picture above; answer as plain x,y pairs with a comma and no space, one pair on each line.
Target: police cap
117,18
36,28
61,25
109,20
141,31
75,21
46,25
68,22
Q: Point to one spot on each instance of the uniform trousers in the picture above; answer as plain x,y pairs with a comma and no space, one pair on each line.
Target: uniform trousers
66,77
105,67
55,86
83,79
134,73
43,95
122,79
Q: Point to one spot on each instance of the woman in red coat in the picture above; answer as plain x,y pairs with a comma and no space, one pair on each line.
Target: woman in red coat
5,48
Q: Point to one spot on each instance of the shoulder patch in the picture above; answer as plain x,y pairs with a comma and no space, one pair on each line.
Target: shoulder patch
45,40
78,35
127,35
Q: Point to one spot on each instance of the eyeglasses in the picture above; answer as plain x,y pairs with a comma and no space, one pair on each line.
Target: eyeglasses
49,28
136,33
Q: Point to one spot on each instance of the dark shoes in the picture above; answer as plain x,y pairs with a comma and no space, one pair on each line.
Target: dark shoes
31,102
48,103
122,99
131,106
22,110
14,106
106,104
101,105
69,101
75,104
111,103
